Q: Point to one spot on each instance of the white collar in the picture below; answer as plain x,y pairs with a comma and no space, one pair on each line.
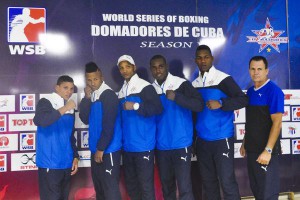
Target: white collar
96,94
255,89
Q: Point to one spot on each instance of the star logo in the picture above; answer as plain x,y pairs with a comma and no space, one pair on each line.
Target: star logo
267,36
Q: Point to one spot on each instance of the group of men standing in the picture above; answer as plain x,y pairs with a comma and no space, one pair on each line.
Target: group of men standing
144,117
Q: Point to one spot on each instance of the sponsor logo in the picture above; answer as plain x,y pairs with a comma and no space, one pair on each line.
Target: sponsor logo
296,113
7,103
3,163
292,130
237,147
286,115
2,123
240,131
21,122
25,25
240,116
27,102
85,158
84,139
27,141
296,146
4,141
8,142
23,162
267,36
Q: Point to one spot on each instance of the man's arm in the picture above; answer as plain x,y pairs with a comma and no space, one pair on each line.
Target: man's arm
84,110
188,97
75,154
236,99
150,104
265,157
45,114
85,105
110,105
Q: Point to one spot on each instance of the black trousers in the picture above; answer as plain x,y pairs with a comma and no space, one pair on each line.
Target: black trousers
216,165
106,176
54,184
139,175
264,179
175,167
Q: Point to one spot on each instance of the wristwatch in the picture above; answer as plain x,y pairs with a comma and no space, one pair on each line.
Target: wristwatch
269,150
136,106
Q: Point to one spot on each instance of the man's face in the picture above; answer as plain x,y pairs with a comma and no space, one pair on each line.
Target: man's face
94,80
127,70
204,60
65,90
258,71
159,70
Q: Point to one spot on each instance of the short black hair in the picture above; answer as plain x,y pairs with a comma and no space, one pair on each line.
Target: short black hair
158,57
91,67
64,78
259,58
203,47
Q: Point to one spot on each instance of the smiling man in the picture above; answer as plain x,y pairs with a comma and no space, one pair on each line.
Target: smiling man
174,134
214,126
263,125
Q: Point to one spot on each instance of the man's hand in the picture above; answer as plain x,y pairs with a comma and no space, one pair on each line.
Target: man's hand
74,166
70,105
88,92
170,95
264,158
98,156
243,150
213,104
128,105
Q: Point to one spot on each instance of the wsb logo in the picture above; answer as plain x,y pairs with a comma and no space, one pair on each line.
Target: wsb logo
24,25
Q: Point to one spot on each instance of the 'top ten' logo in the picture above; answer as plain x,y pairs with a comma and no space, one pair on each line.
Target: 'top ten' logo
24,25
267,36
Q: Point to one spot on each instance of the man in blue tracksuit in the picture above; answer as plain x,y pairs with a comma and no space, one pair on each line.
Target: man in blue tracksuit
174,135
215,129
263,124
56,154
99,109
140,103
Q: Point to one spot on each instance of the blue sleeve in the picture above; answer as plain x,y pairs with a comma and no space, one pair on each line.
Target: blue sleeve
84,109
188,97
276,101
150,104
45,114
236,99
110,105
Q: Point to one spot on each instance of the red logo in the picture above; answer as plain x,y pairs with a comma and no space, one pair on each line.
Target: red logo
25,24
4,141
2,160
2,121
